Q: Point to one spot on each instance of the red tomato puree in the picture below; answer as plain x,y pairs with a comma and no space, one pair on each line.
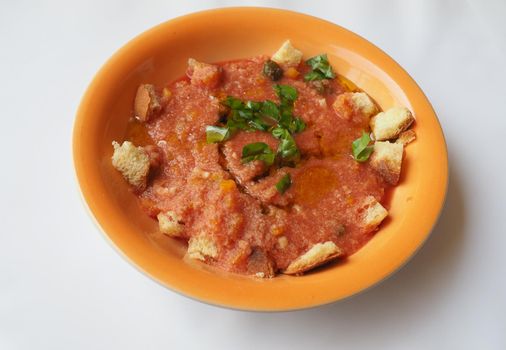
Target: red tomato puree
236,204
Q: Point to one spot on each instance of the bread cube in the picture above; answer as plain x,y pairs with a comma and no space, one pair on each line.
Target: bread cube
354,106
168,223
287,55
373,213
147,102
386,159
202,247
203,74
132,162
406,137
389,124
318,254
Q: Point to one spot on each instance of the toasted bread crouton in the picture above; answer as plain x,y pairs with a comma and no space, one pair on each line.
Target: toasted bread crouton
146,102
406,137
373,213
287,55
319,254
132,162
259,263
203,74
386,159
363,102
202,247
169,223
389,124
354,104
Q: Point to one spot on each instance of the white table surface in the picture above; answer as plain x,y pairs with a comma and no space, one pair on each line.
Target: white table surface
63,287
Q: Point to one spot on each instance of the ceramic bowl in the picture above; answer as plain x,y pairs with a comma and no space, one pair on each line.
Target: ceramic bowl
159,56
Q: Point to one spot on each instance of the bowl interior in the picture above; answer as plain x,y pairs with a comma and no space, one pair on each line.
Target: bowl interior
159,56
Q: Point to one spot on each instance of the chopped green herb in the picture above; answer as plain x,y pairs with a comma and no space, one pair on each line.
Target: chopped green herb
321,68
216,134
279,133
286,117
259,124
272,70
233,103
255,115
287,148
270,109
297,125
235,124
361,149
263,116
258,151
244,116
286,93
312,75
253,105
284,183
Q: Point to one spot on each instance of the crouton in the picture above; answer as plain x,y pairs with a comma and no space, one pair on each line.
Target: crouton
203,74
169,223
389,124
147,102
260,264
287,55
406,137
132,162
354,104
363,102
386,159
319,254
373,213
202,247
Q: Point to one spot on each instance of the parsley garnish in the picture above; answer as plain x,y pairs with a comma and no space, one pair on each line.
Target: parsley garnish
258,151
284,183
361,149
320,68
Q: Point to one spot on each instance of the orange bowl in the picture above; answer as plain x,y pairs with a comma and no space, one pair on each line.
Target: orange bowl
159,56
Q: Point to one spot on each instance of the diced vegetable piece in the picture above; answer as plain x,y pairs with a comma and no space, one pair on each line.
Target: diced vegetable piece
272,70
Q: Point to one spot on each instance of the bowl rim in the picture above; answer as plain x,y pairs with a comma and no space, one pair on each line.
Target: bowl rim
86,196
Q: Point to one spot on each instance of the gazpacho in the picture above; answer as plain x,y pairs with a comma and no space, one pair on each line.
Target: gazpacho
264,165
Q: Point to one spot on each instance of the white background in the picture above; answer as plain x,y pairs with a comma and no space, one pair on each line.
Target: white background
63,287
